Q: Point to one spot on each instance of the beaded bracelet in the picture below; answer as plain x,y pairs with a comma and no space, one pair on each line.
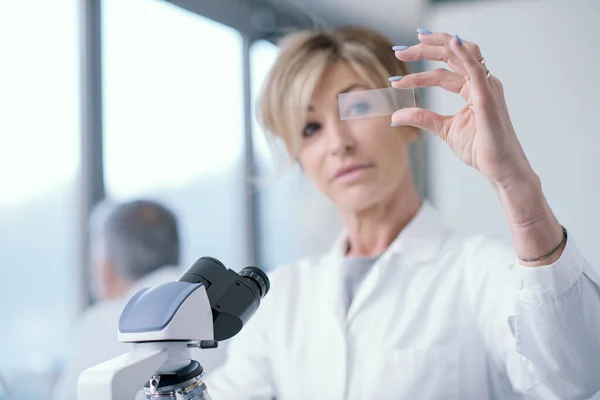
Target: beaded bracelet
564,239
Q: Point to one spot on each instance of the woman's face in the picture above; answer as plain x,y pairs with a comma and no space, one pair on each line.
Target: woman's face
355,163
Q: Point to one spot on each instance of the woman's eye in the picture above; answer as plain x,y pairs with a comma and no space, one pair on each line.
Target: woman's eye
310,129
360,108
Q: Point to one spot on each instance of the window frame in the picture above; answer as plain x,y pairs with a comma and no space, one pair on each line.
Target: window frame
256,20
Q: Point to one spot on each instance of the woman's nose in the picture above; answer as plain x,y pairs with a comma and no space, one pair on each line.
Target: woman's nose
341,140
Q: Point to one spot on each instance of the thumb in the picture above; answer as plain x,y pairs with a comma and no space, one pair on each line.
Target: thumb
422,119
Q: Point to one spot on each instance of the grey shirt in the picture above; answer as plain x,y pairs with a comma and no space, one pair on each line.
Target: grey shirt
355,269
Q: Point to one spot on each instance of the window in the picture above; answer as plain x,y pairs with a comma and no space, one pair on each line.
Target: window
39,164
174,122
294,219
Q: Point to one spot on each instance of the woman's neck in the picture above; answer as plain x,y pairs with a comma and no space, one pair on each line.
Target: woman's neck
371,231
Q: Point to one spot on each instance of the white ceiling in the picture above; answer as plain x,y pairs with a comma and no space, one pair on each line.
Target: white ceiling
398,19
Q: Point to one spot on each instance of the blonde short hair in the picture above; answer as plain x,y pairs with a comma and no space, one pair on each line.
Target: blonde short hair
303,59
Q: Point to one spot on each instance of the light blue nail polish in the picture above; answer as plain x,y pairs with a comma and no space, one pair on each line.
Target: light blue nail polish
395,78
395,125
398,48
458,39
424,31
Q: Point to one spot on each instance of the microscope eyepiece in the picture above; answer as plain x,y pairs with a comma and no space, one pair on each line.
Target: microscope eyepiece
257,279
233,297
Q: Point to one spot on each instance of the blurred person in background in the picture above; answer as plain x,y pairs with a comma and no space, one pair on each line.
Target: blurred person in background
133,245
403,306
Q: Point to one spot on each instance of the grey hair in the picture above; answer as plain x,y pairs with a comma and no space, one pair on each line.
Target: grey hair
137,237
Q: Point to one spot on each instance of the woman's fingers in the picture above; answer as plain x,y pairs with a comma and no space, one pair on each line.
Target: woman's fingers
476,71
433,38
440,77
423,119
438,46
423,51
445,39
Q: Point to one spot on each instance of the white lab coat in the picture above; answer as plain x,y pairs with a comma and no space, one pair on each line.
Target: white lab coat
439,316
96,339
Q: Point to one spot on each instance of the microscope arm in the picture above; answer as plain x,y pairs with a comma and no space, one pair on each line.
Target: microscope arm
160,322
121,377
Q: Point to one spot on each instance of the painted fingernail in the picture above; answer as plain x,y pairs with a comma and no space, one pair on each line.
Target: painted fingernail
424,31
398,48
395,125
458,39
395,78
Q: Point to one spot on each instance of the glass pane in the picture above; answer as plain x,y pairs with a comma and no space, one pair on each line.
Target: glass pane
294,219
39,163
174,121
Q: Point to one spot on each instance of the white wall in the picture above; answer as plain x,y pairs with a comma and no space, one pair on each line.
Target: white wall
546,53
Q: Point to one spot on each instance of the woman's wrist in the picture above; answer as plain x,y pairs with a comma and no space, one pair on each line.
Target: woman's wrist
533,225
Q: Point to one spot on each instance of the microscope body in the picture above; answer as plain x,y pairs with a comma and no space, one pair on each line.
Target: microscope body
209,303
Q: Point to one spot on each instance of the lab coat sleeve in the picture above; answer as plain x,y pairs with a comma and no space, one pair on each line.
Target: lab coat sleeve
247,371
545,332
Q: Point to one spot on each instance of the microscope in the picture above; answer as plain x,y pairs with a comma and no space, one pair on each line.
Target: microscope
208,304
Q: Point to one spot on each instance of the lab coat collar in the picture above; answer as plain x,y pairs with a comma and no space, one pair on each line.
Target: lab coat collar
418,242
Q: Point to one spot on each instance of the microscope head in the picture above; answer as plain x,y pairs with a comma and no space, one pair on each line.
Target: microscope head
208,303
173,311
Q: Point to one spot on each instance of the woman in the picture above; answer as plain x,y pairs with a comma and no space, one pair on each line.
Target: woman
403,307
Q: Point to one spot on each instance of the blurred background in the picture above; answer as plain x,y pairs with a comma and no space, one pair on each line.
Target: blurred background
124,99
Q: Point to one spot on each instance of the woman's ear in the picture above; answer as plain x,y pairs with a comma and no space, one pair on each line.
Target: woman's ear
110,280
